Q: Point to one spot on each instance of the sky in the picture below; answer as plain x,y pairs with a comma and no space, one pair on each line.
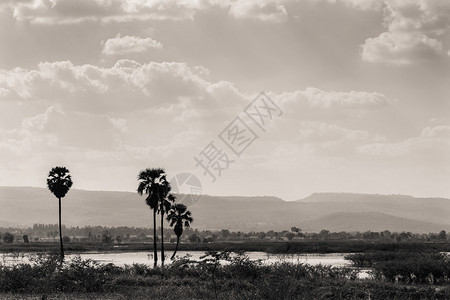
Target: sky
356,94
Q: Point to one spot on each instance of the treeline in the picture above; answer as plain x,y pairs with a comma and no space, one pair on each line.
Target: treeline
49,233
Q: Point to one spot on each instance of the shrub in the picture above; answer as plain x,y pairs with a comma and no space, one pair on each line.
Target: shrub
8,237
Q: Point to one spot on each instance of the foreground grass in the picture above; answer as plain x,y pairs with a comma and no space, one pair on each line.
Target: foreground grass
239,278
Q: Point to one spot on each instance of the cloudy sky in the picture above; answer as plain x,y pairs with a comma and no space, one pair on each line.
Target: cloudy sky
109,87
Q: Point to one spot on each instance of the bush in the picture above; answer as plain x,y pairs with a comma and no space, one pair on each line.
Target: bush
406,266
8,237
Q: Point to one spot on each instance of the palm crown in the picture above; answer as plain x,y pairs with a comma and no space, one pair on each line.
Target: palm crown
179,215
148,184
59,181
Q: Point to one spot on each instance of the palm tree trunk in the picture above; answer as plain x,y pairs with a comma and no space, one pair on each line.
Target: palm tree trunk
60,232
176,248
155,252
162,237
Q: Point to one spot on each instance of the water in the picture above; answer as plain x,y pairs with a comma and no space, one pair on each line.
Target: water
146,257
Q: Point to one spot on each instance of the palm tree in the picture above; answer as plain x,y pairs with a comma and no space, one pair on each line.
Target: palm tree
179,215
165,202
59,182
149,184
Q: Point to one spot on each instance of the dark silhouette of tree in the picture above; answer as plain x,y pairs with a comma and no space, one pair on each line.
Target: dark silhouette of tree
165,202
295,229
179,215
25,239
8,237
148,184
59,182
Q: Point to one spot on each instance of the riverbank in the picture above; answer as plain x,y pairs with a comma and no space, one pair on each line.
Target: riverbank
332,246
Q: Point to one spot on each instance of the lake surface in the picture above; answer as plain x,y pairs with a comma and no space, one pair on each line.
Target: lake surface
146,257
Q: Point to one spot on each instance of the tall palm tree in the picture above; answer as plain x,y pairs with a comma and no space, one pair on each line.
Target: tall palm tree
165,202
179,215
149,185
59,182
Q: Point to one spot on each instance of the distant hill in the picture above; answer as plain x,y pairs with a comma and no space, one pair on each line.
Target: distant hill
24,206
372,221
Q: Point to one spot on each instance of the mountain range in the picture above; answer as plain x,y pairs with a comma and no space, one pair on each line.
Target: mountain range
25,206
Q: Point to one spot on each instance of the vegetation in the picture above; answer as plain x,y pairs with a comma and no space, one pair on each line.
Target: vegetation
59,182
409,266
209,278
148,183
179,216
8,237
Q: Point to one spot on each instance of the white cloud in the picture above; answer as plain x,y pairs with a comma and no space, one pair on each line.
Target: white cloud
363,4
71,12
400,48
126,86
415,30
74,12
352,99
433,143
129,45
271,11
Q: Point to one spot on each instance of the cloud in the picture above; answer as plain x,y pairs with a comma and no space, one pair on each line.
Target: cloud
352,99
415,30
126,86
401,48
270,11
314,104
432,144
129,44
363,4
73,12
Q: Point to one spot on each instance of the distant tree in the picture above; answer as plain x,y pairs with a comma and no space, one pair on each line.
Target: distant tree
106,237
8,237
290,235
442,235
225,233
179,215
324,234
59,182
295,229
25,239
66,239
386,234
262,235
148,184
119,239
194,238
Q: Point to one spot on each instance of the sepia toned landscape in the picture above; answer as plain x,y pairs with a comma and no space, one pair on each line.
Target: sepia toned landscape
235,149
